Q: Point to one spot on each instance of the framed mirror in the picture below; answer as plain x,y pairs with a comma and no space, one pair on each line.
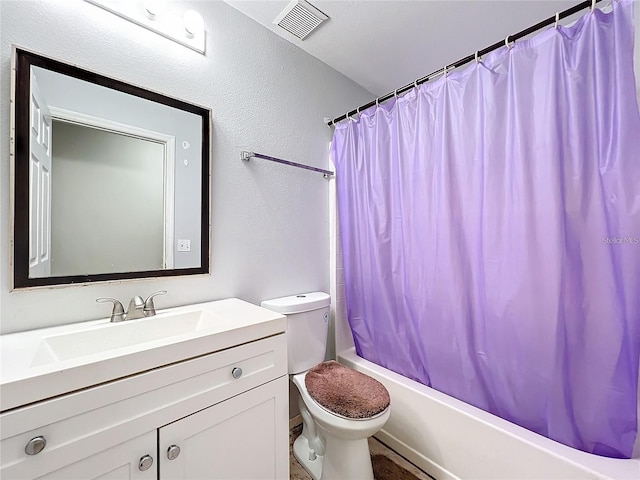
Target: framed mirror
111,181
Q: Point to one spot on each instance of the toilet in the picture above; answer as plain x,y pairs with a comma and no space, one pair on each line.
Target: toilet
340,407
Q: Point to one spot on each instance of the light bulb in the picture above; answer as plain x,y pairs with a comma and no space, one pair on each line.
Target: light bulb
193,23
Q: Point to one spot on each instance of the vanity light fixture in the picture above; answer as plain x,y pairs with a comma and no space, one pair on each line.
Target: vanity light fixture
187,30
193,23
154,7
151,9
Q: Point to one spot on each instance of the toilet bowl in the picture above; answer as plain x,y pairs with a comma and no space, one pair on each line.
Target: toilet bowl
338,412
345,449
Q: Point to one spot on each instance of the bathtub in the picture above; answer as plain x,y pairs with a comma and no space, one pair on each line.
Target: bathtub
450,439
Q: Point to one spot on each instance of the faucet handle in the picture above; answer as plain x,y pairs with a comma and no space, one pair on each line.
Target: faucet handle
117,314
149,307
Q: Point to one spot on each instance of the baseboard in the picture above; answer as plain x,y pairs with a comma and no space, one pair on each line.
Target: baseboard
295,421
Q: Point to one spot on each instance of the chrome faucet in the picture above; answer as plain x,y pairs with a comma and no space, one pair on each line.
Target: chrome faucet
138,308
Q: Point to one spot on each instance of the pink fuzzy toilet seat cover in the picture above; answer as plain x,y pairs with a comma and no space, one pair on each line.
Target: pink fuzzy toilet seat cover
346,392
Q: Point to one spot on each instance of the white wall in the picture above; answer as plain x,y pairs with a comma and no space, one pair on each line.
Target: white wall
270,223
342,336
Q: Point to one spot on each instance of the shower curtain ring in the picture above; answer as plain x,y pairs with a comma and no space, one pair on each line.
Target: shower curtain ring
506,43
358,110
593,5
377,102
395,93
557,19
444,71
477,57
415,84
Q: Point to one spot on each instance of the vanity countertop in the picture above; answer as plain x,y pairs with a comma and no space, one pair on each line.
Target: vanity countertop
40,364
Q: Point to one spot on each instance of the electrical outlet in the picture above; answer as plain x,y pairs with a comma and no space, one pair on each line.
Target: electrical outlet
184,245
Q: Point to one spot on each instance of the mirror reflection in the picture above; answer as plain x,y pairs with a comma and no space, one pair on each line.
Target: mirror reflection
114,182
115,171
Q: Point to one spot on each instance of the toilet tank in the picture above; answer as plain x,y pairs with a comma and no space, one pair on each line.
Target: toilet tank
307,326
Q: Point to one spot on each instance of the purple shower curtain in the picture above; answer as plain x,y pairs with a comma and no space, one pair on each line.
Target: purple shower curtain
490,226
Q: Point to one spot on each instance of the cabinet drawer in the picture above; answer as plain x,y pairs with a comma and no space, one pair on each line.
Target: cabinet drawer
83,423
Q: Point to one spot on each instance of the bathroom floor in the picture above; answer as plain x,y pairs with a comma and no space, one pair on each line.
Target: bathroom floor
387,464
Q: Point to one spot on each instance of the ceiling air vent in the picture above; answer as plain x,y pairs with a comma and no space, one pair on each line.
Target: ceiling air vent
300,18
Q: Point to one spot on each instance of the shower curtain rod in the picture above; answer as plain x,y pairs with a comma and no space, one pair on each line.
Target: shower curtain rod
511,38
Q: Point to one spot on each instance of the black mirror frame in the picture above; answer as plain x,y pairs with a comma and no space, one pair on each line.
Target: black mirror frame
21,67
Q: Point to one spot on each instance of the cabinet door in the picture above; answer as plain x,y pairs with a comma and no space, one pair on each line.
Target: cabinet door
243,438
121,462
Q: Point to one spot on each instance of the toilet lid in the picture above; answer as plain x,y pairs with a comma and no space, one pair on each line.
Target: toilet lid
346,392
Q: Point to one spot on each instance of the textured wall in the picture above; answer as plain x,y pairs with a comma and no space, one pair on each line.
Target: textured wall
270,223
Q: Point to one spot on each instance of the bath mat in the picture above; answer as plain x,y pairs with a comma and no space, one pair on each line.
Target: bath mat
386,469
346,392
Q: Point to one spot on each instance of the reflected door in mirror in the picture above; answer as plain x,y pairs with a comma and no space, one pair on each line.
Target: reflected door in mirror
39,184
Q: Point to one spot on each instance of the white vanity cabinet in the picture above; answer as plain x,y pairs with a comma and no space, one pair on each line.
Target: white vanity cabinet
222,415
121,462
231,440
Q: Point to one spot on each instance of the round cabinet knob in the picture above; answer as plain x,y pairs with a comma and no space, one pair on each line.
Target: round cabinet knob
173,451
35,445
145,463
236,372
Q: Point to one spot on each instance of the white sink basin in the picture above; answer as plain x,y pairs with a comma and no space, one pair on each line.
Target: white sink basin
40,364
97,340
